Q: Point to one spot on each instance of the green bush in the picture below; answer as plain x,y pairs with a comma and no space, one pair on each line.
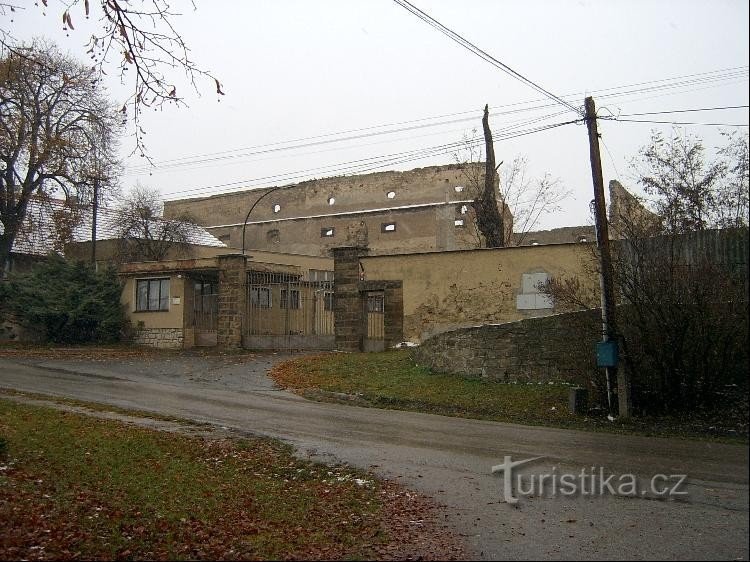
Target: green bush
66,302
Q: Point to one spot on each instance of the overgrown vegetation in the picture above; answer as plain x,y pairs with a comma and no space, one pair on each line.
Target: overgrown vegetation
682,285
392,380
65,302
77,488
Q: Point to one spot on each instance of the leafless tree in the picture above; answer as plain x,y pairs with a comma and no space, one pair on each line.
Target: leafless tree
524,200
56,129
689,192
143,232
139,38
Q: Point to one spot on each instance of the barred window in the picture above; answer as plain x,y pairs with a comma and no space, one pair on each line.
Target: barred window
260,297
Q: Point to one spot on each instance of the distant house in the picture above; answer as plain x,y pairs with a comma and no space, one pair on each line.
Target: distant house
55,227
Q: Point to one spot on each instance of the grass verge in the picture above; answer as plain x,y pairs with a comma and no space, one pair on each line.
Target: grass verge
73,487
392,380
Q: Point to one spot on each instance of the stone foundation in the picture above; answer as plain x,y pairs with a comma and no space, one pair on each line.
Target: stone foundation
167,338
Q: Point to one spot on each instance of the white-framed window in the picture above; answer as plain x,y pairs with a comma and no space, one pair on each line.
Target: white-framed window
290,299
151,295
260,297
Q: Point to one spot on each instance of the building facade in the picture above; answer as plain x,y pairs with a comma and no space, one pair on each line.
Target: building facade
422,210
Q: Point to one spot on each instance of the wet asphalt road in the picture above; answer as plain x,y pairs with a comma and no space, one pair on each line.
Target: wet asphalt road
449,459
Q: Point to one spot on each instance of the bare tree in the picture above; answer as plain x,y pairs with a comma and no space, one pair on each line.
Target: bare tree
144,234
681,285
524,200
689,192
139,38
56,126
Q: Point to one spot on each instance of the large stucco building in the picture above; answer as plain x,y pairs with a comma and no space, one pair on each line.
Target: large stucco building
426,209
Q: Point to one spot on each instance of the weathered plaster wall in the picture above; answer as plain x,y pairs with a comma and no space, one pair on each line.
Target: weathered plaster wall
448,290
171,318
305,209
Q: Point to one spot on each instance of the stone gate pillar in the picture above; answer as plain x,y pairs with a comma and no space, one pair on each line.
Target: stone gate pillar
349,307
232,300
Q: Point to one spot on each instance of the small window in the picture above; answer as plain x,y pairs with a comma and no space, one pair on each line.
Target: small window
459,188
464,209
332,200
391,195
582,239
375,303
321,275
276,208
260,297
290,299
328,300
388,227
152,295
327,232
272,236
459,223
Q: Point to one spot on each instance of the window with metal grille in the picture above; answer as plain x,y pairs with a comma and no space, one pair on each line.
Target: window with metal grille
375,303
290,299
328,300
260,297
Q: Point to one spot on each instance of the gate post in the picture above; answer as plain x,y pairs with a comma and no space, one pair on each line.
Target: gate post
349,307
232,300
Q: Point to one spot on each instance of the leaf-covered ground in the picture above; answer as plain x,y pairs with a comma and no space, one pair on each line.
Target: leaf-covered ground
75,487
392,380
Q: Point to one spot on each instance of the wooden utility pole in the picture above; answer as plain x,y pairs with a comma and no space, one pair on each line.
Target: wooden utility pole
609,321
95,209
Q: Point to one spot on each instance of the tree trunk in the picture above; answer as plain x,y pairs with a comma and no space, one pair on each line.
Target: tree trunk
489,217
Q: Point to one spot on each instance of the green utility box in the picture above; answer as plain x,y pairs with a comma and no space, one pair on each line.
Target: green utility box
606,354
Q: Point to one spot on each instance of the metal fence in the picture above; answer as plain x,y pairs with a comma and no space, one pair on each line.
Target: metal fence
286,311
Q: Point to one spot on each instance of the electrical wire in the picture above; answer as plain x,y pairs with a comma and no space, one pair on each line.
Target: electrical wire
682,111
362,165
709,77
679,123
482,54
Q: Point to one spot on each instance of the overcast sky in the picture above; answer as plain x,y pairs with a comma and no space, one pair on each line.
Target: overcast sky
303,69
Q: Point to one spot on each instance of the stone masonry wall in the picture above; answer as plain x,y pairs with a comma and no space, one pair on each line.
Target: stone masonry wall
349,304
558,348
168,338
232,300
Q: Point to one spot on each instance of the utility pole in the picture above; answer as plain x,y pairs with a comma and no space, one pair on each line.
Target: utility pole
609,321
95,208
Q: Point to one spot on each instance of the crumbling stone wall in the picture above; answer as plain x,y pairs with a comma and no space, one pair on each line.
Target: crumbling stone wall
557,348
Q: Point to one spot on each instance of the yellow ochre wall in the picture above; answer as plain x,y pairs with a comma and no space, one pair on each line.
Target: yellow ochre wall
447,290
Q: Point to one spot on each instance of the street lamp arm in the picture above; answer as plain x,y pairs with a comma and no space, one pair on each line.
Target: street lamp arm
247,217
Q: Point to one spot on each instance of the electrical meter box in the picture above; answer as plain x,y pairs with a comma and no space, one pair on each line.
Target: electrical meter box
606,354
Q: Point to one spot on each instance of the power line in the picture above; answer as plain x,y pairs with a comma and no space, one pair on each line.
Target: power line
480,53
708,77
367,164
680,111
677,122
